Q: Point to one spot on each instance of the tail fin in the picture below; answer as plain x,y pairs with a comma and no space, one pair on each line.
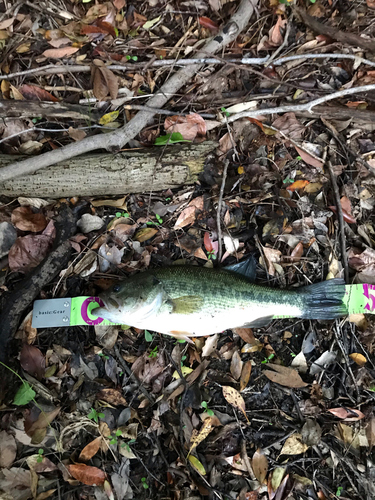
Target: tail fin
325,300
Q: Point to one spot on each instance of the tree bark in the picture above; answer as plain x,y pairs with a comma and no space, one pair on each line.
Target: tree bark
50,110
132,171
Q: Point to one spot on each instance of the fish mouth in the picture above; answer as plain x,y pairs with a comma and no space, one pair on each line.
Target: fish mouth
109,303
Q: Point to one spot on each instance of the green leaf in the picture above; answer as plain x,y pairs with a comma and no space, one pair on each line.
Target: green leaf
24,395
149,24
169,139
148,336
197,465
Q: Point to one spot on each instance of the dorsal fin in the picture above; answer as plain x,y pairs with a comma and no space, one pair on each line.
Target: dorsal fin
246,268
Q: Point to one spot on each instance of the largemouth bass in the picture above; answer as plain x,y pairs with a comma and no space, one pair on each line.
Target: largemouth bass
190,301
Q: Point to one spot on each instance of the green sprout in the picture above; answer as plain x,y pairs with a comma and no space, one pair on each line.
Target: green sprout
114,439
122,214
153,353
224,111
268,359
131,58
40,456
209,412
102,355
340,488
144,483
211,255
94,415
126,445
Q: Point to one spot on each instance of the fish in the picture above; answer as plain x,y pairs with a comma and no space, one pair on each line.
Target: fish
191,301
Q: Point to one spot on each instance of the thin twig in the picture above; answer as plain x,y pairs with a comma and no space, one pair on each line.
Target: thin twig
218,216
132,375
52,69
299,107
284,44
340,217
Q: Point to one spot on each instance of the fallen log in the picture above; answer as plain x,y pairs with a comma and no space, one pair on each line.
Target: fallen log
132,171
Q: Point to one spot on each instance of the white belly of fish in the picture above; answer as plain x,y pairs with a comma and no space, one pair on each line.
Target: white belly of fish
200,324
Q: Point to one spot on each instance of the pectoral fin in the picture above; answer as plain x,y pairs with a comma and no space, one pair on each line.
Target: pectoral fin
187,304
259,323
181,336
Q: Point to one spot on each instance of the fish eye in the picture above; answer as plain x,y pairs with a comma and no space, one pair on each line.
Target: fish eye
116,288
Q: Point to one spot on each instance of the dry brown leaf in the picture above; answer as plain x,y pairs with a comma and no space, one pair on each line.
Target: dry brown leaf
145,234
271,256
26,220
28,251
34,93
86,474
275,36
33,361
285,376
189,126
90,450
235,399
198,437
290,126
259,464
347,414
8,449
247,335
120,203
236,365
112,396
40,424
76,134
110,80
310,160
245,375
294,445
59,53
186,217
370,432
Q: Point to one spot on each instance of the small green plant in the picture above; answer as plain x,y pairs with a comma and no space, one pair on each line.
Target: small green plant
158,223
225,112
144,483
94,415
40,456
25,393
114,439
180,341
153,353
299,158
102,355
126,445
122,214
167,199
131,58
211,255
209,412
340,488
268,359
293,355
288,180
162,140
148,336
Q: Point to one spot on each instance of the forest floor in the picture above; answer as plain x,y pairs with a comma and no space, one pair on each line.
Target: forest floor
280,412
